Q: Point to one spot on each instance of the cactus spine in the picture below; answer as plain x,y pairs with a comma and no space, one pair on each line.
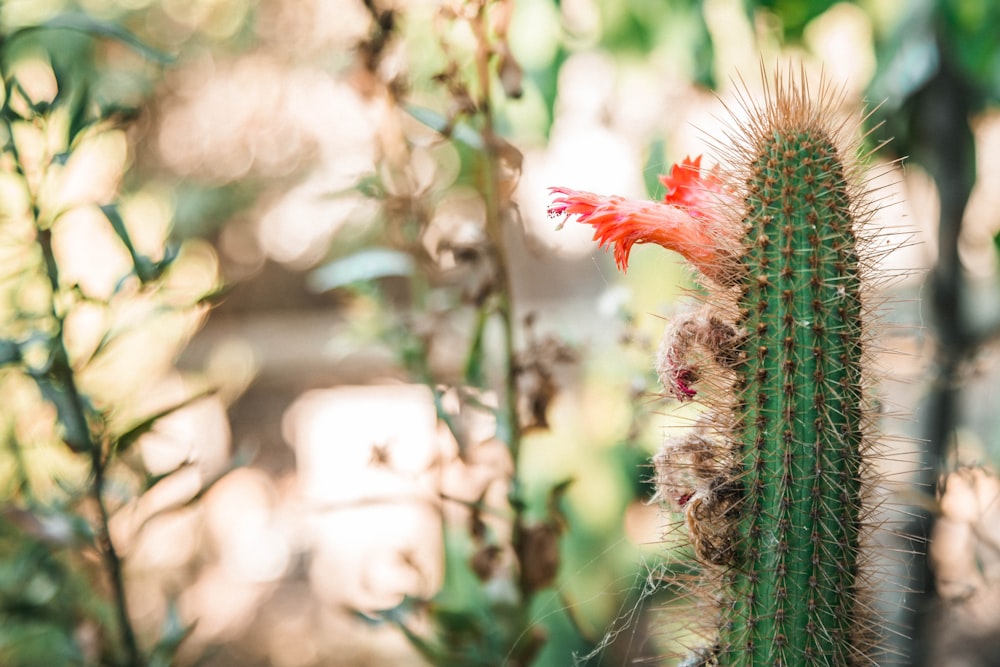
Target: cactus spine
797,416
772,479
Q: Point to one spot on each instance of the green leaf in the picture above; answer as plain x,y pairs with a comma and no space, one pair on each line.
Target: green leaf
10,352
214,295
369,186
172,635
153,480
76,431
554,503
397,616
362,266
80,22
29,643
654,167
110,211
136,431
795,15
15,87
71,93
145,268
459,131
474,364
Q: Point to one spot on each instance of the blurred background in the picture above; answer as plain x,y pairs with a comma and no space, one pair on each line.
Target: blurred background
356,400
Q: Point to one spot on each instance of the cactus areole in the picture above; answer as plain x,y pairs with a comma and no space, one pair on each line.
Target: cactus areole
771,481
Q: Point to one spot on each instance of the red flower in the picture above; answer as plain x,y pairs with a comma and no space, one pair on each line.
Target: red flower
686,187
682,223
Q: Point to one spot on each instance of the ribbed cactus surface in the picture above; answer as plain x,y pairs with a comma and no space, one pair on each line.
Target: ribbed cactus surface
772,479
797,427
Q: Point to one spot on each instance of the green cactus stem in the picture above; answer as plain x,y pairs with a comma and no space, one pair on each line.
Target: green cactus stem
798,421
772,479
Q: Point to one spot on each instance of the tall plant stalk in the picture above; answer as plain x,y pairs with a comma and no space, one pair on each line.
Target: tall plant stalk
58,383
498,563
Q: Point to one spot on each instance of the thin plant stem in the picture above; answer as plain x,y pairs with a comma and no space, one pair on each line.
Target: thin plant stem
63,371
113,562
490,189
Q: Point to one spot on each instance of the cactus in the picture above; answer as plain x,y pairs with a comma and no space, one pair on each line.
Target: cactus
772,479
797,419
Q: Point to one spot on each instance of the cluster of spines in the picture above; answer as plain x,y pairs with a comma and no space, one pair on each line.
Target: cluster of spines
788,416
798,423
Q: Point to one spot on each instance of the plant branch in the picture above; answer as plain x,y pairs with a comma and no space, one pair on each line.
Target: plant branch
73,413
112,561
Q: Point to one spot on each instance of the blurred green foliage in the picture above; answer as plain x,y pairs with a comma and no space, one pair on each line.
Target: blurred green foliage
66,461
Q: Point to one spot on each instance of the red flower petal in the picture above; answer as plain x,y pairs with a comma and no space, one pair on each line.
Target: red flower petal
688,188
680,223
623,223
